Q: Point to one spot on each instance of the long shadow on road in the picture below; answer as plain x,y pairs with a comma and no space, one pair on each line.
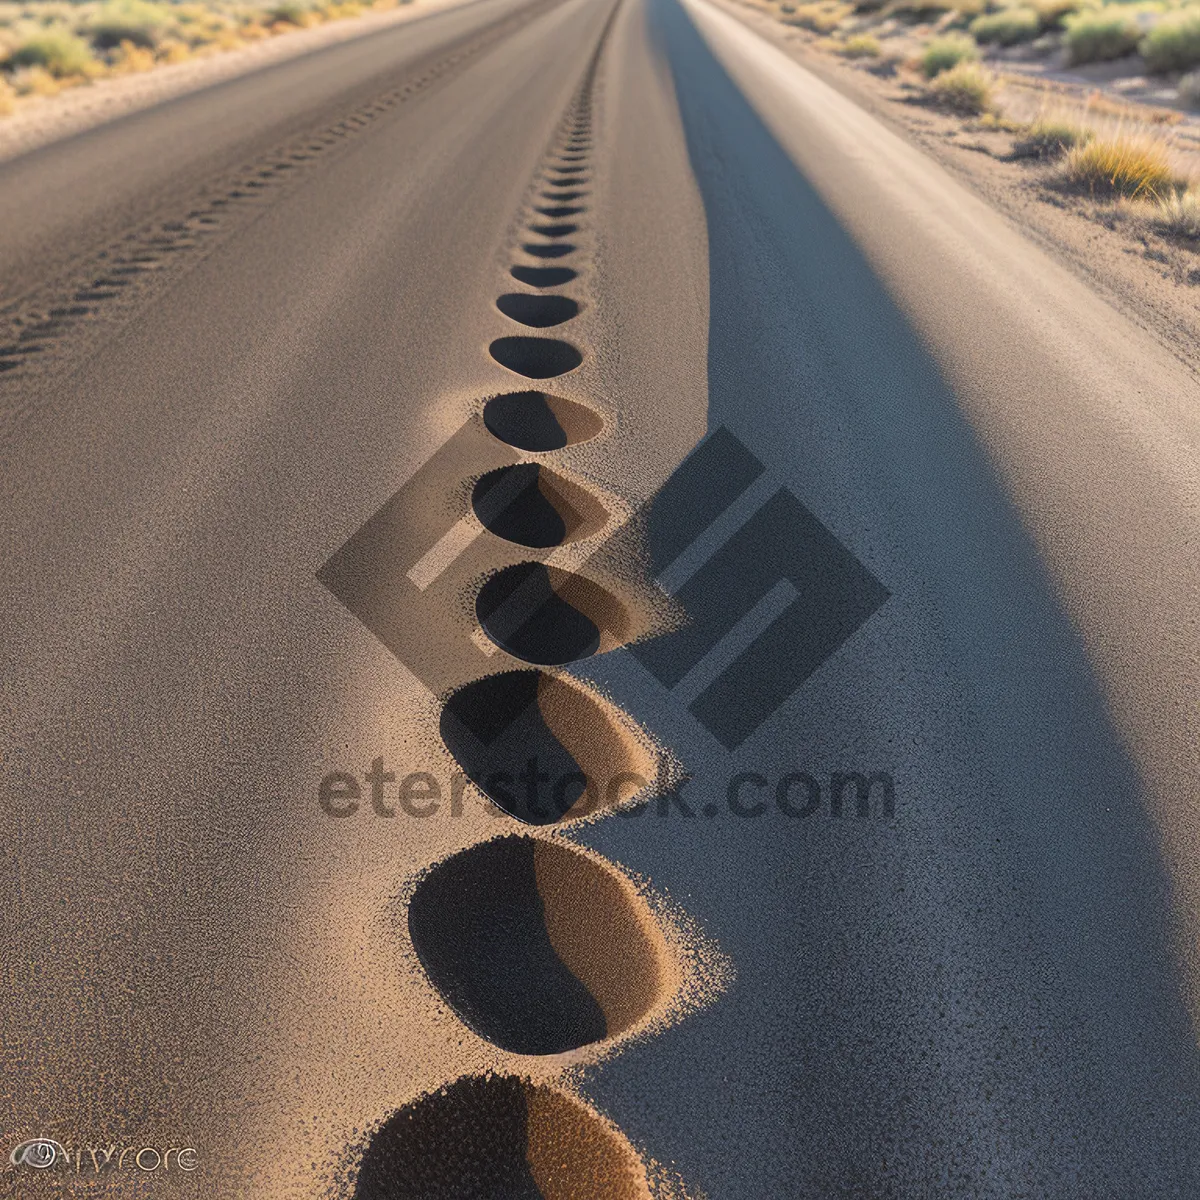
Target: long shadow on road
974,997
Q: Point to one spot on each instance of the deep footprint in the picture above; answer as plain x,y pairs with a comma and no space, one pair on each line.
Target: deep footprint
539,422
533,506
543,277
553,231
536,358
495,726
535,946
540,312
554,250
496,1137
549,616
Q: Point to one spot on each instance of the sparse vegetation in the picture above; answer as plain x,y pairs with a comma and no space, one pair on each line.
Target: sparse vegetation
1174,42
1136,168
1007,26
1100,34
965,89
945,53
1047,138
46,45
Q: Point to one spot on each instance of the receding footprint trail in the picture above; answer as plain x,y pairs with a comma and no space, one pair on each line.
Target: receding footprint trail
539,947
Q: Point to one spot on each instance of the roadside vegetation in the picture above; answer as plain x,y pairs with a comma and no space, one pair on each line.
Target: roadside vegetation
47,45
994,76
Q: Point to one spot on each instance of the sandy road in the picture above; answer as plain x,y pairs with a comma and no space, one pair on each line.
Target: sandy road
948,543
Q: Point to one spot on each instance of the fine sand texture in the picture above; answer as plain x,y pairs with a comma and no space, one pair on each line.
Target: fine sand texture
583,621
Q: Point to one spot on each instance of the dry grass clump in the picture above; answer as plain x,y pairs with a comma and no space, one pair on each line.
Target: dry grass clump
1101,34
1007,26
945,53
1050,138
861,45
1178,213
1173,44
1136,168
965,89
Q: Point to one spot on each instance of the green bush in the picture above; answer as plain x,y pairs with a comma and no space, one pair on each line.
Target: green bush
288,13
965,89
57,51
1174,43
1053,13
945,52
862,45
133,21
1099,35
1008,26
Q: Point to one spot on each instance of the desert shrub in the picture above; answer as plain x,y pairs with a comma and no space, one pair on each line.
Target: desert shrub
290,12
57,52
1047,138
1007,26
1099,35
135,21
1174,43
1122,166
945,52
1052,13
965,88
1189,89
862,45
1179,213
818,18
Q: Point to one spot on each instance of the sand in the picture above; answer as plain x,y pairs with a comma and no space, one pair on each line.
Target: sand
242,573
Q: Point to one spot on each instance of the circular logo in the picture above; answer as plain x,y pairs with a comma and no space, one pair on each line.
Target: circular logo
39,1153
